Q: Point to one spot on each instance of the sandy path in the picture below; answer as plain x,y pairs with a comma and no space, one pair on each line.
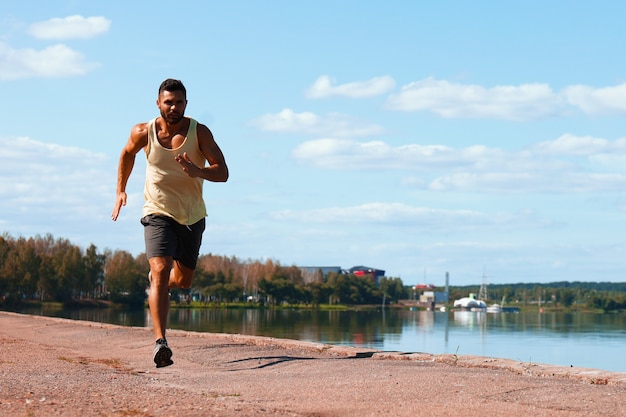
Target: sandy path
51,366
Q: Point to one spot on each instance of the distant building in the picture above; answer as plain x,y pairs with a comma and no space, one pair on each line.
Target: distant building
311,273
437,297
362,271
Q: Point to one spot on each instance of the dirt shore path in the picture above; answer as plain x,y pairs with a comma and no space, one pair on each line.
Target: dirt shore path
58,367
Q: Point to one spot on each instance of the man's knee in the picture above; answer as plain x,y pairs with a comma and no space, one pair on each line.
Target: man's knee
159,269
185,281
181,275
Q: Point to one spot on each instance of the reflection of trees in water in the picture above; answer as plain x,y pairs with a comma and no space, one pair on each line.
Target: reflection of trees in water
345,327
359,328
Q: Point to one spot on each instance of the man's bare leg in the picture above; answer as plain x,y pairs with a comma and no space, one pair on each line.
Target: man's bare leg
166,273
159,298
180,276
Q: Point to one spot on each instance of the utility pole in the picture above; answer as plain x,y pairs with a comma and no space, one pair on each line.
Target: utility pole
482,294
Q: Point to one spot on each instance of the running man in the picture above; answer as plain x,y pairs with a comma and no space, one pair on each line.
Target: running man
177,150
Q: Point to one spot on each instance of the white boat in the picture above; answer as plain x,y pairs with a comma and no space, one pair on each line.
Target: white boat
494,308
470,303
500,308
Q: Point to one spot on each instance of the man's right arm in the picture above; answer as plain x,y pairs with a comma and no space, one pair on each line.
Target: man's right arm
137,140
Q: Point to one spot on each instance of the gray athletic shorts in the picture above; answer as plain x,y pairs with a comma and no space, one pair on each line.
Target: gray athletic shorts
166,237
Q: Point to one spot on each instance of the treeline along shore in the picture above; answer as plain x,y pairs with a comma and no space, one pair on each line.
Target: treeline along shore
48,269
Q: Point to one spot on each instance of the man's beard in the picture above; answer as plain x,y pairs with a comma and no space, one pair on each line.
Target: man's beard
172,118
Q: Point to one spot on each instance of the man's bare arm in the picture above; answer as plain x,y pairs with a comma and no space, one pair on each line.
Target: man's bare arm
217,170
137,140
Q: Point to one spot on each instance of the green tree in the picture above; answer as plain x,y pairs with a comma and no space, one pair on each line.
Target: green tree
319,292
5,249
350,289
278,289
47,284
20,269
566,297
393,288
126,278
9,270
94,271
70,272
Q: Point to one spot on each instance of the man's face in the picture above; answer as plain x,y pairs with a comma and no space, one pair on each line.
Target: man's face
172,106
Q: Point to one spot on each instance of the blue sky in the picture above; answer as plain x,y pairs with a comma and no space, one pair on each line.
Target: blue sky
415,137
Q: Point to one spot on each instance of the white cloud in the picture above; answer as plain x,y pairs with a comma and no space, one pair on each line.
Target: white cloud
350,154
566,164
323,87
66,191
332,124
609,161
42,172
406,216
369,213
569,144
53,61
530,182
71,27
523,102
598,101
53,180
508,102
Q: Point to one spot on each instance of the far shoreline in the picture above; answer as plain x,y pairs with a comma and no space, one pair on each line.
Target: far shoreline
403,305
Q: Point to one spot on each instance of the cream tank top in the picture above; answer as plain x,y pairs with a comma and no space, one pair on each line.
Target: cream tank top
169,191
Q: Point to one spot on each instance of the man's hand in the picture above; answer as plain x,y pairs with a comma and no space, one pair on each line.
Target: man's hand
188,166
119,202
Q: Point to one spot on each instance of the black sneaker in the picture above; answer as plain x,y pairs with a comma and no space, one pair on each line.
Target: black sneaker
162,354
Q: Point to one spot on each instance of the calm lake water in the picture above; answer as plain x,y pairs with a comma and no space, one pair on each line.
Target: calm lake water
564,339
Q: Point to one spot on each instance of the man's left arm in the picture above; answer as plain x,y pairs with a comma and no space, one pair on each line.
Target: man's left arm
217,170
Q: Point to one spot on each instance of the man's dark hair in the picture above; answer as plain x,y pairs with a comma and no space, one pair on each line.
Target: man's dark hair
172,85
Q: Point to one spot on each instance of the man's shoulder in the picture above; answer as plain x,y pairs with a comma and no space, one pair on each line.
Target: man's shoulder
201,128
139,132
142,126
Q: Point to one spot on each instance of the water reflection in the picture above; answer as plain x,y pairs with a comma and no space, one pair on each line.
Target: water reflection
586,340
